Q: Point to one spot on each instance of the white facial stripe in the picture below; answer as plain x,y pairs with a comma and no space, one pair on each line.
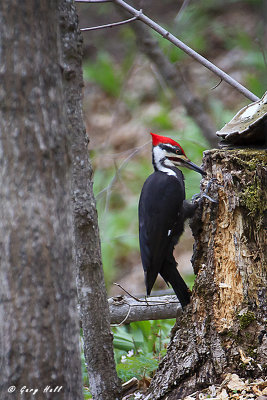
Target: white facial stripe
161,162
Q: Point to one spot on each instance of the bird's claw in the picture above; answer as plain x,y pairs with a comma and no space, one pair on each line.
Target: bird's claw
209,198
210,182
198,197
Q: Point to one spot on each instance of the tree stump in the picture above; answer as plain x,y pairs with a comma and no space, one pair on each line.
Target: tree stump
223,329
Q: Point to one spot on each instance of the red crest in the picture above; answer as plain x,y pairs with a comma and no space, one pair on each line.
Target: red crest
157,139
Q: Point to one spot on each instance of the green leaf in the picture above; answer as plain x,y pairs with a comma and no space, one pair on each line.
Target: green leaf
103,72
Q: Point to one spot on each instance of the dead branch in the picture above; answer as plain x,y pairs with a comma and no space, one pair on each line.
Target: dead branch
124,309
178,43
111,25
168,71
138,14
93,1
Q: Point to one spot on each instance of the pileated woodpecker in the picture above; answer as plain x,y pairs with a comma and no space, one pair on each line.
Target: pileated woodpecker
162,213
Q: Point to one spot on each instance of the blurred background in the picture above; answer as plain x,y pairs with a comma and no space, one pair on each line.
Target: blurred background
126,98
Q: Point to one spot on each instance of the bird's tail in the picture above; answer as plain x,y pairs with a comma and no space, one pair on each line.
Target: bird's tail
171,275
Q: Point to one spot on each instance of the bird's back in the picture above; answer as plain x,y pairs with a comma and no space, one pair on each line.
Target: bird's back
160,214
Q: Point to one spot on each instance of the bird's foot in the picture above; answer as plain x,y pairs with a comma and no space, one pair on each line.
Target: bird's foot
198,197
210,182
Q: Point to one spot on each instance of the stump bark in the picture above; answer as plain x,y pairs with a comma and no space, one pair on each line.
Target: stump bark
224,327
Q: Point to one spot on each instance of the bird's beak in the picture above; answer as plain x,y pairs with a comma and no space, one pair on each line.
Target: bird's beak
183,161
189,164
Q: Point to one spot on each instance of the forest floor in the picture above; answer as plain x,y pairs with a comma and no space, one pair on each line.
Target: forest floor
232,388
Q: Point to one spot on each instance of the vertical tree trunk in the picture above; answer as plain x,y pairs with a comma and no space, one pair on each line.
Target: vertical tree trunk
98,346
223,329
39,342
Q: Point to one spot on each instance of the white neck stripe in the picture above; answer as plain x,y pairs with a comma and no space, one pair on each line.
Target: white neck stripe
161,162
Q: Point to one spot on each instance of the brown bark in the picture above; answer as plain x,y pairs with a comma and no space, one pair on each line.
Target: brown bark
39,332
98,346
223,329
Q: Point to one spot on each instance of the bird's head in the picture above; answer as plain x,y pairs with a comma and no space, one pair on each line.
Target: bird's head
167,153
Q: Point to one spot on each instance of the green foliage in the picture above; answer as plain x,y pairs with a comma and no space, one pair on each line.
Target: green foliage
139,347
161,121
86,390
205,26
137,366
201,25
86,393
104,73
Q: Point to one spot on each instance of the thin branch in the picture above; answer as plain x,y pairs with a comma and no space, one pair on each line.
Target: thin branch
111,25
129,294
116,176
93,1
178,43
182,9
217,84
148,301
168,71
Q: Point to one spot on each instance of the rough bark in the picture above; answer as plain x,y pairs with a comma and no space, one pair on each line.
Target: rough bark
98,348
223,329
39,332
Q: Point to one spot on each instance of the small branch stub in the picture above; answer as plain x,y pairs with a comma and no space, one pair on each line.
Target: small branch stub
111,25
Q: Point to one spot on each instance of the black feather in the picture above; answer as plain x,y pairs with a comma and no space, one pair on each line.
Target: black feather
161,223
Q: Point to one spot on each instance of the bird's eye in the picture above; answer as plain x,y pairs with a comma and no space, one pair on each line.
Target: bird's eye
177,151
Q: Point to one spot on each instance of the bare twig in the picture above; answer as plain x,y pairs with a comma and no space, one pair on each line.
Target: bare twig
129,294
173,78
183,7
116,176
167,35
93,1
111,25
150,301
217,84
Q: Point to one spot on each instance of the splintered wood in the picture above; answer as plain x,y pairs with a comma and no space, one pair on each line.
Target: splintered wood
234,232
223,329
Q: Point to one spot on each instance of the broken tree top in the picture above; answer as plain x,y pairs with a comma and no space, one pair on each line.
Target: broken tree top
248,127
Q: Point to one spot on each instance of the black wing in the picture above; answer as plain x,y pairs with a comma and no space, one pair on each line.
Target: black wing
160,213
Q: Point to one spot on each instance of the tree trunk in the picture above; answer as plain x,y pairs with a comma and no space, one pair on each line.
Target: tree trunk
98,345
223,329
39,331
